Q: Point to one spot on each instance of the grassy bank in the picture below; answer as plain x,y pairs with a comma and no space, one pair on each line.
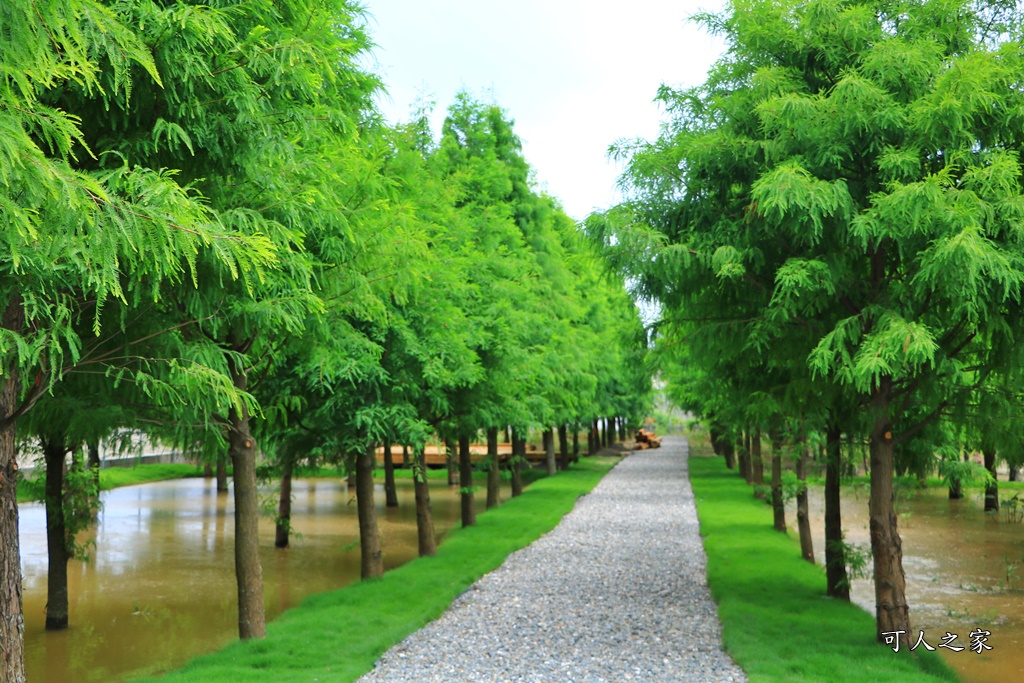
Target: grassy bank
778,624
115,477
337,636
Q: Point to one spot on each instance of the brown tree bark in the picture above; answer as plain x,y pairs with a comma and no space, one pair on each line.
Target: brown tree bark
836,579
756,463
371,565
390,490
563,447
493,468
451,462
602,434
991,490
466,483
745,469
803,518
12,624
252,621
222,475
56,536
518,456
549,451
891,610
575,443
424,518
778,507
282,528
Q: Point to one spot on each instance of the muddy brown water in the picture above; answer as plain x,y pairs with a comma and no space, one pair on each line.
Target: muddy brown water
159,588
965,571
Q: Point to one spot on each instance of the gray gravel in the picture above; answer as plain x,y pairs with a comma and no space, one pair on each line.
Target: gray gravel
617,592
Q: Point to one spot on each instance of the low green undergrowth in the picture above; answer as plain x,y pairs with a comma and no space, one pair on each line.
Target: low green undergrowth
778,624
337,636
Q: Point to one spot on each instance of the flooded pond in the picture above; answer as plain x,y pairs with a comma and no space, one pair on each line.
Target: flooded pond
159,588
965,570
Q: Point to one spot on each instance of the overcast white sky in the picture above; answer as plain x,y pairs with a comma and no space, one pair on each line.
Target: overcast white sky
574,75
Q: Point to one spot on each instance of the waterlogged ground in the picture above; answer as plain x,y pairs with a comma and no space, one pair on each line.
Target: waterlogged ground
159,587
965,571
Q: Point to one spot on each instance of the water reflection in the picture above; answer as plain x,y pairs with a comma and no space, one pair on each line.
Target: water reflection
964,569
159,588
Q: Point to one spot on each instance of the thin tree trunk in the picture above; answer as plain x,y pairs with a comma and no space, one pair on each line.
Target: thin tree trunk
549,451
745,469
451,462
838,583
595,438
493,468
778,507
603,433
803,519
371,565
283,526
248,570
756,463
56,537
956,489
1013,472
466,483
563,447
222,475
390,491
518,455
991,490
575,443
892,612
729,451
94,462
12,624
424,518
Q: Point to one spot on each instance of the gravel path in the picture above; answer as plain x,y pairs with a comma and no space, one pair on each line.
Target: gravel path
617,592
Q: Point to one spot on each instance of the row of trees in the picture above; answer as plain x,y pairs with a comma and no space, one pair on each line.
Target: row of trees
832,224
209,234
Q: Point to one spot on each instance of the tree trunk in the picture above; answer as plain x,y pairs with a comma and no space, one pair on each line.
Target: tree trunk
284,504
563,447
371,565
493,468
466,483
390,491
424,518
756,464
803,520
1013,472
518,455
549,451
575,443
248,570
745,469
778,507
222,475
892,612
729,451
622,429
450,462
94,462
838,584
603,433
12,624
56,537
992,490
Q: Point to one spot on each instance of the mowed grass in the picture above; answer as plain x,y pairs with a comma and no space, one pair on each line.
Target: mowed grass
115,477
337,636
778,624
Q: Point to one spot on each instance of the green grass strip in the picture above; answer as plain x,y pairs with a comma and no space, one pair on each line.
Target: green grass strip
337,636
778,623
115,477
